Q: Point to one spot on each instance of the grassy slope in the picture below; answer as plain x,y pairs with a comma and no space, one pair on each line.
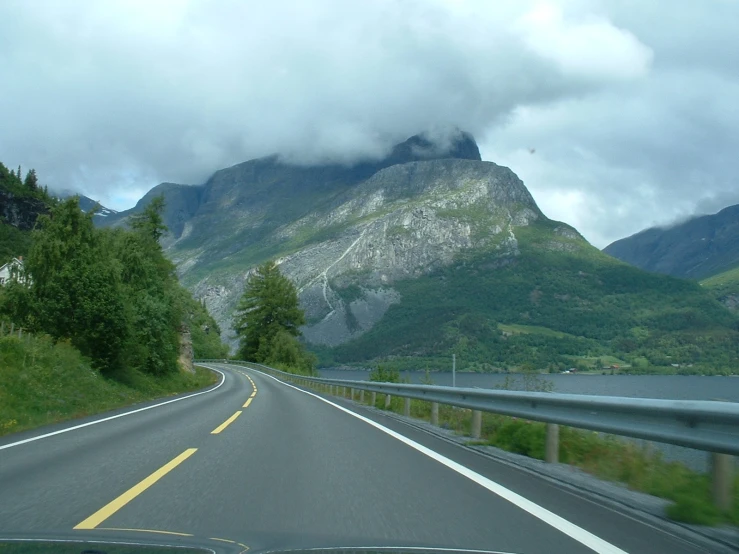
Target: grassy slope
592,304
42,382
723,283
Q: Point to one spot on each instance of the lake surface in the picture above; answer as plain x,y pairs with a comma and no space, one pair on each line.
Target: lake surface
676,387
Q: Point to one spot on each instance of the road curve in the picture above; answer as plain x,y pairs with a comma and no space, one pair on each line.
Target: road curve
266,465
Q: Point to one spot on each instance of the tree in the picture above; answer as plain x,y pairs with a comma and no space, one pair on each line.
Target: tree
75,290
381,374
31,182
267,312
150,222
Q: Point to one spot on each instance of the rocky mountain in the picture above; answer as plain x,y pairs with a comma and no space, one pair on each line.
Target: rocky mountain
426,252
385,220
86,204
696,249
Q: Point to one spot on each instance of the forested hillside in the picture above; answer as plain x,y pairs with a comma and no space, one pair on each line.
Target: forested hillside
22,199
724,287
85,298
549,309
112,293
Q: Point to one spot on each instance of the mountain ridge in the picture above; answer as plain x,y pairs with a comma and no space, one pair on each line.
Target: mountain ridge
696,248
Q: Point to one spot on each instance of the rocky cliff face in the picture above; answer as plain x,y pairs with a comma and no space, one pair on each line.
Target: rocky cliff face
20,212
403,222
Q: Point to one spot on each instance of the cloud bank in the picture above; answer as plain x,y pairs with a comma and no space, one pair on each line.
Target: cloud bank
630,109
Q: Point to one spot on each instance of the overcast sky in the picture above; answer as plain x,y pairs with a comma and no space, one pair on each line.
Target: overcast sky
631,106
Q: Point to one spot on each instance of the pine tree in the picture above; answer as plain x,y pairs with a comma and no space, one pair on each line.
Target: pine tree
268,318
150,222
31,182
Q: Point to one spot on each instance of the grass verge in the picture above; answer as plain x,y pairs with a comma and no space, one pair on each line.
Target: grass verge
43,382
610,458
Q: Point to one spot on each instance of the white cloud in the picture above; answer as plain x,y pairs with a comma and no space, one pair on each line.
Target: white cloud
584,46
631,107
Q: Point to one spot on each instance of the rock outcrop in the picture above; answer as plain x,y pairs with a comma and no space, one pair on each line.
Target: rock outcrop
20,211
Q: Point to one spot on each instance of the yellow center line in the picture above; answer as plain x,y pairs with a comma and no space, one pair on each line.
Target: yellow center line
252,395
246,404
225,424
109,509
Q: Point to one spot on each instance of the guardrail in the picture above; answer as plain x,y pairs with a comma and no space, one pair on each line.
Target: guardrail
704,425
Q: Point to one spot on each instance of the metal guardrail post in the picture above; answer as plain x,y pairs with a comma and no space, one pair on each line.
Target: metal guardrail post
407,407
388,398
721,480
551,447
374,399
434,413
351,393
476,424
361,396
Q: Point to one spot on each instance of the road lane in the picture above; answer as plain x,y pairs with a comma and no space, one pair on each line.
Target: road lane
291,471
55,482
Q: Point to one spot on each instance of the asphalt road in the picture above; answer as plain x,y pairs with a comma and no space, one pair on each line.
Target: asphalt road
292,470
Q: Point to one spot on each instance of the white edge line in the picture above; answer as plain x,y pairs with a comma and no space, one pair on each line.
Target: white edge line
394,548
95,540
68,429
579,534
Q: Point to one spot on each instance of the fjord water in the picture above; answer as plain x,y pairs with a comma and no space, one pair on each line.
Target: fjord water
675,387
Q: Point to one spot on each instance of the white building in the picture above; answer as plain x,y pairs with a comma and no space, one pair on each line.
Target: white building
12,270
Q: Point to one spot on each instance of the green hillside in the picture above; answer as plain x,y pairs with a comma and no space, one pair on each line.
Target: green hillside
549,309
723,283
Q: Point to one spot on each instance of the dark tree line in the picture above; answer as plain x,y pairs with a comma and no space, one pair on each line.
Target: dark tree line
28,186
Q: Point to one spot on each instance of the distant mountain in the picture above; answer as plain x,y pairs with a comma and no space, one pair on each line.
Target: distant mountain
698,248
428,252
86,204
